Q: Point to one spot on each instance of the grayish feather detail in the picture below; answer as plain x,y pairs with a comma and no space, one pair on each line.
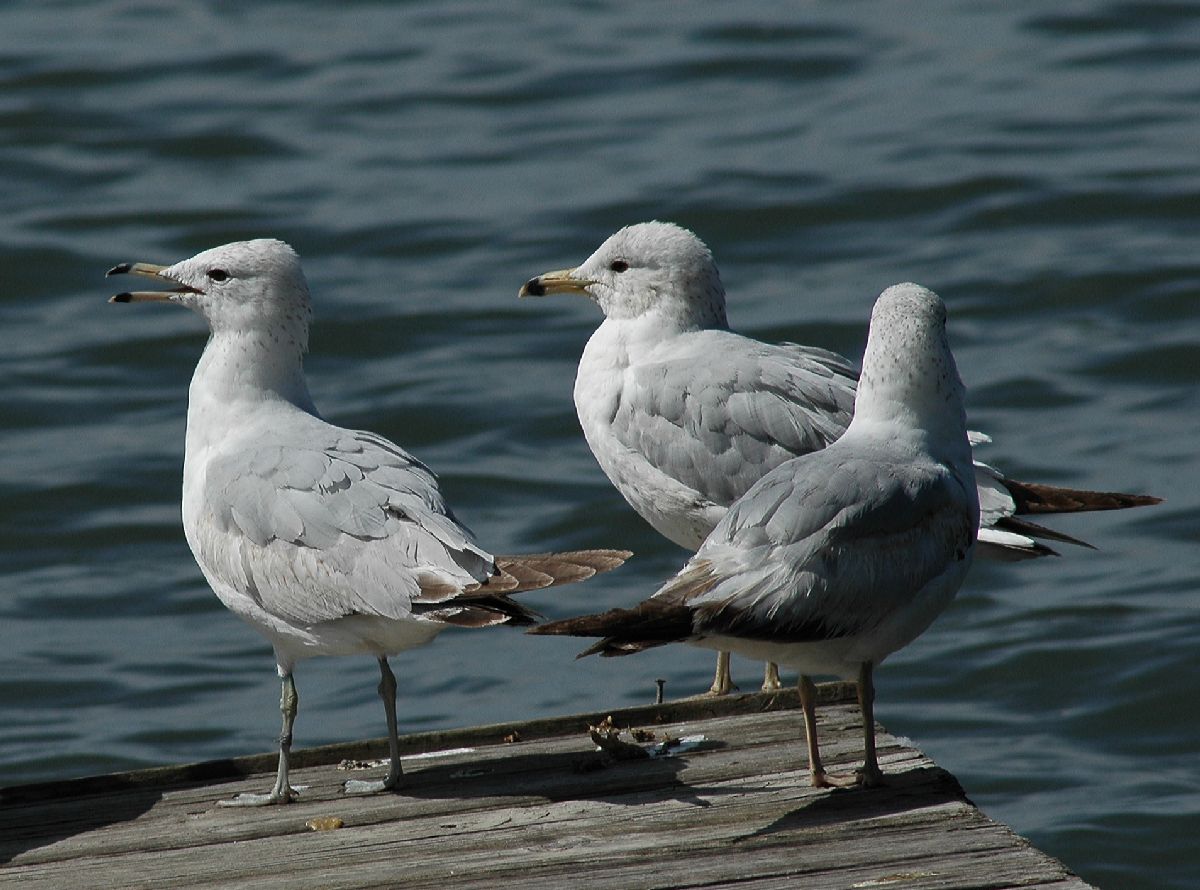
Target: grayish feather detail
771,572
683,415
352,517
717,427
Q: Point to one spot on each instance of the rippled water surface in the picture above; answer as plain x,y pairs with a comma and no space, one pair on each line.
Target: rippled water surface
1034,163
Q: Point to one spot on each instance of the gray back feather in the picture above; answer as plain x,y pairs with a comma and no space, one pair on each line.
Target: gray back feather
758,407
824,548
348,518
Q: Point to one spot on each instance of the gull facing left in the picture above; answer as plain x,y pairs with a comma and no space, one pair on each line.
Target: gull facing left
328,541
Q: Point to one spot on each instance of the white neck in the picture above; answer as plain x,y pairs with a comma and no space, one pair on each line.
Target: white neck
243,371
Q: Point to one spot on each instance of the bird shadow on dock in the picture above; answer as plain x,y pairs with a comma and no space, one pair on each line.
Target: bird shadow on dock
44,813
551,759
558,776
913,789
28,822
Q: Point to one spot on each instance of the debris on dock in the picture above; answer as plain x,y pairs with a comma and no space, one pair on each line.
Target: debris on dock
500,806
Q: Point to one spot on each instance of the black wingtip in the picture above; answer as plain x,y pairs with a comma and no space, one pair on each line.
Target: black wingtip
119,269
1034,530
120,298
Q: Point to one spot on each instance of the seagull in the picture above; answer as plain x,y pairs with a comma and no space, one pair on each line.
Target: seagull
835,559
327,541
684,415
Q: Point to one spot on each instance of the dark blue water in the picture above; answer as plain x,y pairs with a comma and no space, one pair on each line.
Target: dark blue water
1036,164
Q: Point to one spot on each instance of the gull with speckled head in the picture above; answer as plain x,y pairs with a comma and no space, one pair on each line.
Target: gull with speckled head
833,560
328,541
684,415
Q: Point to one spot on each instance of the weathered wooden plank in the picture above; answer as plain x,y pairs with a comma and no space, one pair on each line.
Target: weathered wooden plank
523,852
441,802
504,843
738,809
497,771
697,708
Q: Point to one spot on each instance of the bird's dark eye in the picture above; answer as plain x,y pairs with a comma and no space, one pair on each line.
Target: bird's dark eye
618,265
217,274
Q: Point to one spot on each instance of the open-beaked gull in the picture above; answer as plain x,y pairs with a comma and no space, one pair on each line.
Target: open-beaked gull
684,415
328,541
835,559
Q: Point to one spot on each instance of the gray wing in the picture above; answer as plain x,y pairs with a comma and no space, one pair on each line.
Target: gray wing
718,410
822,549
335,522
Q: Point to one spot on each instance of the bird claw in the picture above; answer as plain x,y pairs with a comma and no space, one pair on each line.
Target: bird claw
252,799
824,780
861,778
369,786
869,777
363,786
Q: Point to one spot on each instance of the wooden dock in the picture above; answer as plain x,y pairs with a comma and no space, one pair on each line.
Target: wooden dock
533,805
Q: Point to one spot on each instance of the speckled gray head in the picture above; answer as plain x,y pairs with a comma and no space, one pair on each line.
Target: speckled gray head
650,268
908,366
244,285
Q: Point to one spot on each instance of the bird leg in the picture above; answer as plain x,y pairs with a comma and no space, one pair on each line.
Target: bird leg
771,681
387,692
808,707
722,683
871,775
283,792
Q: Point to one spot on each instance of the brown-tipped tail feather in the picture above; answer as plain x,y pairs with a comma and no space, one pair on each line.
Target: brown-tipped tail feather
1034,497
483,605
534,571
625,631
485,612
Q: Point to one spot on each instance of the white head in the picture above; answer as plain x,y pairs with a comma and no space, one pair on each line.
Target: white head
652,269
242,287
908,370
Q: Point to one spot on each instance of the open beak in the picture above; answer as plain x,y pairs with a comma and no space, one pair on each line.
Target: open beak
562,281
150,270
